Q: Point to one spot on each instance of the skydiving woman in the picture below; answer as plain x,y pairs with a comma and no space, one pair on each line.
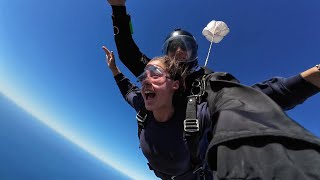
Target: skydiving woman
161,141
250,137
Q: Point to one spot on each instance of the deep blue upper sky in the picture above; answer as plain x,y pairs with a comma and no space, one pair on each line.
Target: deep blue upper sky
51,61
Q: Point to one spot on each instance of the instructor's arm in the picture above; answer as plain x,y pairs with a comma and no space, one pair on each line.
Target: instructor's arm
128,51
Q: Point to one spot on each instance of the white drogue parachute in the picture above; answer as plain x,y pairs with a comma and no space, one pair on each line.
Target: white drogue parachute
214,32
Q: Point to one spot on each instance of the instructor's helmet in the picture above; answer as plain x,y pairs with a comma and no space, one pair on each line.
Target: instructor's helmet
182,46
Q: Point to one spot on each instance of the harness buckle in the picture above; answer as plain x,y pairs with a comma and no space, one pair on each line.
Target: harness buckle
198,88
141,118
191,125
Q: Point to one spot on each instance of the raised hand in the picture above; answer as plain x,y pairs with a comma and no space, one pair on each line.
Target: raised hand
117,2
111,61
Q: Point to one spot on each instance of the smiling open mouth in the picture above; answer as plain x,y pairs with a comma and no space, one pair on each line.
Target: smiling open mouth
149,94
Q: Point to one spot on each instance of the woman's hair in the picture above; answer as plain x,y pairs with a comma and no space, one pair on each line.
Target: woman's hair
177,71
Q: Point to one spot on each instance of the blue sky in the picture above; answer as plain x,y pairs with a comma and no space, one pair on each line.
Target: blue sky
51,62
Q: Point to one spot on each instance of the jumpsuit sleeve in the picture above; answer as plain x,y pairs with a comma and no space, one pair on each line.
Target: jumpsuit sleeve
130,92
287,92
128,51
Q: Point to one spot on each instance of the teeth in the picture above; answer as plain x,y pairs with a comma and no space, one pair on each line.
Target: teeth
148,92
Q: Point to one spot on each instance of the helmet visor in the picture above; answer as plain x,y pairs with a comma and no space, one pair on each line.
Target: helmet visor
181,48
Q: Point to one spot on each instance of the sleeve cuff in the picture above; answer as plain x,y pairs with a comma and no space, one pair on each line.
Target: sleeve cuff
119,10
298,85
119,77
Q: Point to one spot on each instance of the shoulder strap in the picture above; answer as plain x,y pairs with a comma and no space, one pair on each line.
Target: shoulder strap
192,129
191,123
192,135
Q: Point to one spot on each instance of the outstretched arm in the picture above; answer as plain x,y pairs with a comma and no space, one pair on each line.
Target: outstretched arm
312,75
292,91
128,51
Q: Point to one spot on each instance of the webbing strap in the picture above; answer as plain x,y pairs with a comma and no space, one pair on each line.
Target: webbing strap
192,130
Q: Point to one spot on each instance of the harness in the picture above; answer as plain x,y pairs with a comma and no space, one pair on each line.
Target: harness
192,129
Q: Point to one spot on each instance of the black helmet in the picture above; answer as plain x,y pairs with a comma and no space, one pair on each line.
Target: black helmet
186,42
